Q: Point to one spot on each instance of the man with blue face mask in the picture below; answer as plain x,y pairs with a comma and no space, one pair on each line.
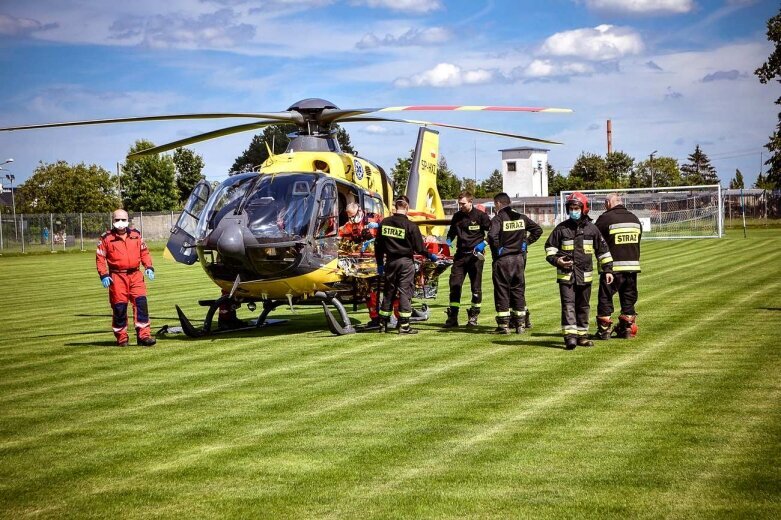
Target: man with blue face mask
569,248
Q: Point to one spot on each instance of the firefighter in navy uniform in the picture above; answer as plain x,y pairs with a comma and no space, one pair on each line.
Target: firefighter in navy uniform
569,248
622,231
469,225
396,244
508,232
118,255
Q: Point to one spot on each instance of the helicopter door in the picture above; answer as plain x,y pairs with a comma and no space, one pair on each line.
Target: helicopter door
181,243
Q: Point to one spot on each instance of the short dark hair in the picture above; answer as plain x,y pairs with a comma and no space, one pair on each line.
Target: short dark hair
502,198
401,204
466,195
404,198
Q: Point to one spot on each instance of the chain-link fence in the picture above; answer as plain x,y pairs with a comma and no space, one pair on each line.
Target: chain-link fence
27,233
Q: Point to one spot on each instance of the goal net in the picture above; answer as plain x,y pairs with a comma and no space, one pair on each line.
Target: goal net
666,213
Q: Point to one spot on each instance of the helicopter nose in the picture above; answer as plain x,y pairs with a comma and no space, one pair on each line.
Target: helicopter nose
231,241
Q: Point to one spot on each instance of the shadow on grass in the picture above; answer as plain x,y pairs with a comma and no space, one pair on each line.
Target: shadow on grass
770,308
106,343
82,333
109,315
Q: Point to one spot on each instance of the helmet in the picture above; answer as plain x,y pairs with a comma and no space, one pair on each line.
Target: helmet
578,199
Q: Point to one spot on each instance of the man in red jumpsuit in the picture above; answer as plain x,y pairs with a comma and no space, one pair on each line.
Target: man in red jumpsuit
360,230
119,253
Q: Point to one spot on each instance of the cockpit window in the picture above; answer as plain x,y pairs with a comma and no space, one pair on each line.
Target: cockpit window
279,207
225,199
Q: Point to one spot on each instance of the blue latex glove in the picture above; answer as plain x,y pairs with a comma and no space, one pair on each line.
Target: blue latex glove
433,257
523,247
366,245
449,242
499,253
106,281
380,270
479,248
372,225
150,273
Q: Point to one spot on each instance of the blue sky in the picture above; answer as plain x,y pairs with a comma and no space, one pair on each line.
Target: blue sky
669,73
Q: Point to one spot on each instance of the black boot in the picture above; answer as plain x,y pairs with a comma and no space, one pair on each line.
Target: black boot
404,327
626,328
502,325
516,323
473,313
603,327
452,318
527,320
383,327
583,341
146,342
570,342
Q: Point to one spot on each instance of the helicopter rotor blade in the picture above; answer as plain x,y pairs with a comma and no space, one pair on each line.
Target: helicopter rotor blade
202,137
292,117
446,125
335,115
471,108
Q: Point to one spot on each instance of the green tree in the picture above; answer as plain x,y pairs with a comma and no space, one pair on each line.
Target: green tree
475,188
588,173
556,181
344,141
769,71
737,182
256,153
400,173
699,169
618,167
149,183
662,171
189,166
62,188
493,184
448,184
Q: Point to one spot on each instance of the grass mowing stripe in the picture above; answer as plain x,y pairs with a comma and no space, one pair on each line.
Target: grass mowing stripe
363,495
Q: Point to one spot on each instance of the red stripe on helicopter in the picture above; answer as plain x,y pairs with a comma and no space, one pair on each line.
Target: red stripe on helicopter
428,216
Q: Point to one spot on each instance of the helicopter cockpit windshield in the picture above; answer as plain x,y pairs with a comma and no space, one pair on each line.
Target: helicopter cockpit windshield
225,199
279,207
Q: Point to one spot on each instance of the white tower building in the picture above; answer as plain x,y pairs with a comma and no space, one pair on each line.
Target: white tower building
525,171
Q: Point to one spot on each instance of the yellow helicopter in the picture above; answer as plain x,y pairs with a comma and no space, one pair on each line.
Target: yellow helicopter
272,236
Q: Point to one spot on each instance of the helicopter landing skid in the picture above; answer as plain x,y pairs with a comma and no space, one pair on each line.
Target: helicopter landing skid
341,326
214,305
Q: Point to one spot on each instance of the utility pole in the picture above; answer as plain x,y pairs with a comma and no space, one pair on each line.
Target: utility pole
609,136
651,166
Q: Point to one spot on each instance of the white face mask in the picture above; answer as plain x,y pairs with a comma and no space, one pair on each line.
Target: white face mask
120,224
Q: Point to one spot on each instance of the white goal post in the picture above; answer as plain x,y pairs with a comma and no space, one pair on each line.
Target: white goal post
667,213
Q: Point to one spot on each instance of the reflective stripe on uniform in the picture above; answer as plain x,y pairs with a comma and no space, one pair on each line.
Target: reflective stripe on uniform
569,330
624,227
476,305
455,304
567,245
405,314
563,276
626,265
551,251
502,314
588,276
385,314
518,313
605,258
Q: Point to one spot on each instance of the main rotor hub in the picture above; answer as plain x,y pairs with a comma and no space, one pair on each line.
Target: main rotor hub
312,105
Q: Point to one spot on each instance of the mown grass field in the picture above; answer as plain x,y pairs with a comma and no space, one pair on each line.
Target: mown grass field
684,421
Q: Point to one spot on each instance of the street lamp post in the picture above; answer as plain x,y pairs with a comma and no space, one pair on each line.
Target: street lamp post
12,178
651,164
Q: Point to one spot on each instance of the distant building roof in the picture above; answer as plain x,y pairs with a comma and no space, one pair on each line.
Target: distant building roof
525,148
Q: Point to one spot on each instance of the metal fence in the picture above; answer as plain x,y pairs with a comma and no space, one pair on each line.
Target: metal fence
27,233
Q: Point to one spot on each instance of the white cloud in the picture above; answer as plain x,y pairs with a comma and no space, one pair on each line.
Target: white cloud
429,36
642,6
409,6
604,42
220,29
447,75
548,68
10,25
